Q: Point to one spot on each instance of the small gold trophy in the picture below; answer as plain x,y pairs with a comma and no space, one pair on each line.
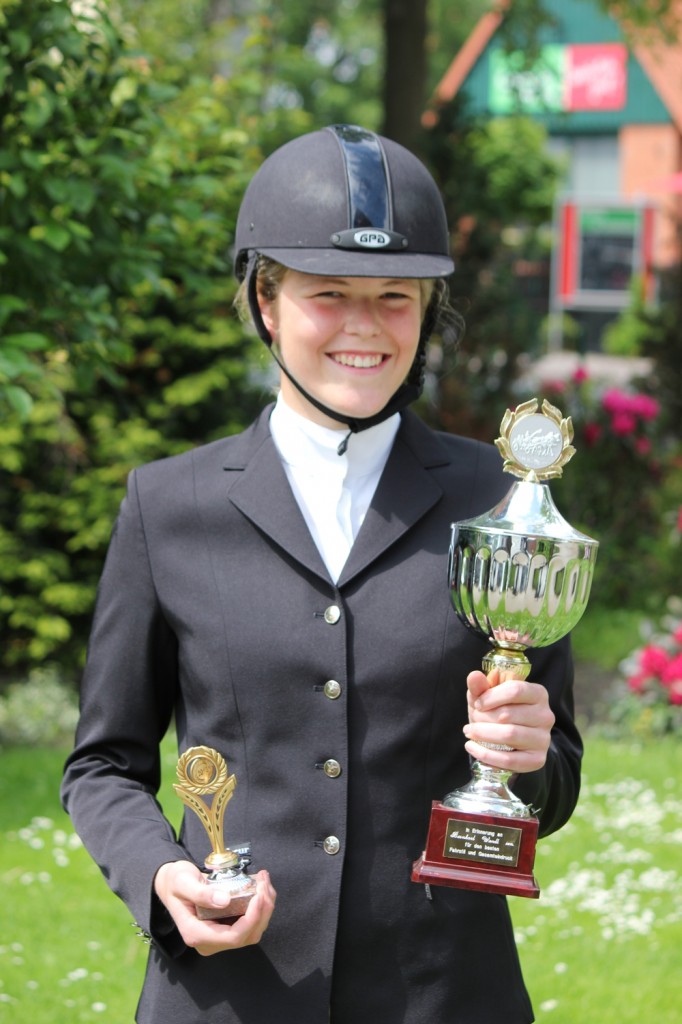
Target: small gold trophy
202,771
520,577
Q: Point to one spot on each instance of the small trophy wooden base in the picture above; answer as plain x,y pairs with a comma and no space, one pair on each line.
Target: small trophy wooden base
483,852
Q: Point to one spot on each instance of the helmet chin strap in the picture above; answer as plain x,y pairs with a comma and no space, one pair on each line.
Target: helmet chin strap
404,396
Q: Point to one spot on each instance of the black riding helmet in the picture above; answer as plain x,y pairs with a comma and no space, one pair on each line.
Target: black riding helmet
345,202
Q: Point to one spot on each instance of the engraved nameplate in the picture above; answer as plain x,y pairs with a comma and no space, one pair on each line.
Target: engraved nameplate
489,844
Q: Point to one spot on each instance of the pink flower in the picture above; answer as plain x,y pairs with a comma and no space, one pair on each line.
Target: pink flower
643,445
592,433
653,660
645,407
679,520
615,401
580,375
637,683
623,423
658,674
672,672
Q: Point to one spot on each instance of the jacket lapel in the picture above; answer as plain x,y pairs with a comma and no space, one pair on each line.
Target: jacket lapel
407,491
260,490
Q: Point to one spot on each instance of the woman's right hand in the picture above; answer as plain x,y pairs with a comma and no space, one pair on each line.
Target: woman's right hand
181,887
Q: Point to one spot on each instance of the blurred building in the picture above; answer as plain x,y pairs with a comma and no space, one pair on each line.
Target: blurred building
610,97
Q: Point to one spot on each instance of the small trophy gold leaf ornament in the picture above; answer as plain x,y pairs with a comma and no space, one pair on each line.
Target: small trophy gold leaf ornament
520,577
201,772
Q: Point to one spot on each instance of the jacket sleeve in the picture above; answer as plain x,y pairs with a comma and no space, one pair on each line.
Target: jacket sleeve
553,791
127,698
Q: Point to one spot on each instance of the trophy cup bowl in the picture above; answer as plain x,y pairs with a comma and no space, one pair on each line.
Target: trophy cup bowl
202,771
520,577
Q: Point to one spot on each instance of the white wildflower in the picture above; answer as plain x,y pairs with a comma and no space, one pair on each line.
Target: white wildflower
78,974
44,824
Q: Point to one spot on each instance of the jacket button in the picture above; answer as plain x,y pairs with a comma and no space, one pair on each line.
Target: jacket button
332,768
332,689
331,845
332,614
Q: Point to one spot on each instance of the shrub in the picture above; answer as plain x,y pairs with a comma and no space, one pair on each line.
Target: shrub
118,198
612,488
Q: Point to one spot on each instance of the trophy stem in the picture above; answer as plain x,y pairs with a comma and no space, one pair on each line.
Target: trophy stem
509,662
488,792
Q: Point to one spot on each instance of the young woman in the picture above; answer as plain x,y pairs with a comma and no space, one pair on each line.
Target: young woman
282,595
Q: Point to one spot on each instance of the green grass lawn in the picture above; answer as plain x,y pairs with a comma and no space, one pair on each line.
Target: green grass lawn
68,950
600,946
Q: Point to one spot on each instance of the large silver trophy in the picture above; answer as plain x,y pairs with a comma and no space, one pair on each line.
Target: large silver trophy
520,576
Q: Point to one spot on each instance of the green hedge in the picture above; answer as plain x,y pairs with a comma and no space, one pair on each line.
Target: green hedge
118,197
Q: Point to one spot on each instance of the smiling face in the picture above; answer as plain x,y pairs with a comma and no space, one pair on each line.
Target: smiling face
348,341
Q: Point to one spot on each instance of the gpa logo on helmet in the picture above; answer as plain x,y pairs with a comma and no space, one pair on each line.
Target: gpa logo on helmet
372,239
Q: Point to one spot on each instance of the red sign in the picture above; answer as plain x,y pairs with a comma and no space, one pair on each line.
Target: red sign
595,77
598,250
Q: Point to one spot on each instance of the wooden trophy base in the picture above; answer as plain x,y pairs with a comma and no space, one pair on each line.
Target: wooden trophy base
484,852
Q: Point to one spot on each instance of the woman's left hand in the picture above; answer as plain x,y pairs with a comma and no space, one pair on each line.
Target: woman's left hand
512,713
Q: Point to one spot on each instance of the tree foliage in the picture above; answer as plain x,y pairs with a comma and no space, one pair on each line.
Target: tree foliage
322,57
498,183
118,196
371,62
57,163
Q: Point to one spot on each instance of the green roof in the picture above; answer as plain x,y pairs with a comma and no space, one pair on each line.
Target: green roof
574,23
